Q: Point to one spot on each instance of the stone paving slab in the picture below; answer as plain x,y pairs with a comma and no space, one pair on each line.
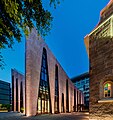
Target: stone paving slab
64,116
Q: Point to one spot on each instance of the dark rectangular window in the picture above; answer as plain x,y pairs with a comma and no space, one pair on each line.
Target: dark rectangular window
16,94
12,93
74,100
62,104
67,97
21,96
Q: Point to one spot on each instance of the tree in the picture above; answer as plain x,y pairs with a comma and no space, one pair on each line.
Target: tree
16,15
1,61
6,106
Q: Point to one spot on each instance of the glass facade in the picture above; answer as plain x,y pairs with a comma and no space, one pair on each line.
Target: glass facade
43,105
56,90
82,83
5,93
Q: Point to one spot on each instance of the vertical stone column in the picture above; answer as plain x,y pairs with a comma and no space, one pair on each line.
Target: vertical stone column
51,71
20,77
71,97
60,97
19,81
69,94
24,95
76,99
34,48
14,92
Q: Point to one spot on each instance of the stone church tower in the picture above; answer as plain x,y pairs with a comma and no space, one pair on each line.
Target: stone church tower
99,45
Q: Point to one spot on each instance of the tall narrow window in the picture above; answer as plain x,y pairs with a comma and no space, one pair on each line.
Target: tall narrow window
12,93
77,100
43,105
67,97
74,100
56,90
62,104
16,94
21,96
107,90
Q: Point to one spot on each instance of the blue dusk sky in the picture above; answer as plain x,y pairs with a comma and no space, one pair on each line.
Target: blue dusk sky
73,20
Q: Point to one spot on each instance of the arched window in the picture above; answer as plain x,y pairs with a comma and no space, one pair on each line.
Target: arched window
107,90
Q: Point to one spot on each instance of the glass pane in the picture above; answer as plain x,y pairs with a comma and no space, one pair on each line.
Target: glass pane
46,106
108,95
39,106
42,76
44,63
106,85
43,103
43,106
105,95
45,77
107,89
109,85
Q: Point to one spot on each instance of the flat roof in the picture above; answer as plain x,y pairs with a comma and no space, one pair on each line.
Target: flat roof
4,82
80,77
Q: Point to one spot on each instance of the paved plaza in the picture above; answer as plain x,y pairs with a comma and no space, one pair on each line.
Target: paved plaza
64,116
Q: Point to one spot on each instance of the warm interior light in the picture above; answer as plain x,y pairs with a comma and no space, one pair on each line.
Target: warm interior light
107,90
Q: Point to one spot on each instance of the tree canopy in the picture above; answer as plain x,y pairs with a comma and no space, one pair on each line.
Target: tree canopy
17,15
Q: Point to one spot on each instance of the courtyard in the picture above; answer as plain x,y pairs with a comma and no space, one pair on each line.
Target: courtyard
62,116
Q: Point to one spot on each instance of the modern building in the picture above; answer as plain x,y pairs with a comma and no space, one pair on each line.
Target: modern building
5,92
82,83
48,89
47,83
99,44
18,91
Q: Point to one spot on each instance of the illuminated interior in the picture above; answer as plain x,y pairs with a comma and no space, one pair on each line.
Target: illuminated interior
107,90
43,105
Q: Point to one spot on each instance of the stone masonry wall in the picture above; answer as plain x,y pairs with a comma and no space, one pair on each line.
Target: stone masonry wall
101,70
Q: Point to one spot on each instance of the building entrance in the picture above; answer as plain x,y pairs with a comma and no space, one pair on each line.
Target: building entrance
43,106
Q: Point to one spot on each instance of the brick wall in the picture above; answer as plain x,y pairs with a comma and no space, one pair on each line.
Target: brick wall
34,49
21,78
